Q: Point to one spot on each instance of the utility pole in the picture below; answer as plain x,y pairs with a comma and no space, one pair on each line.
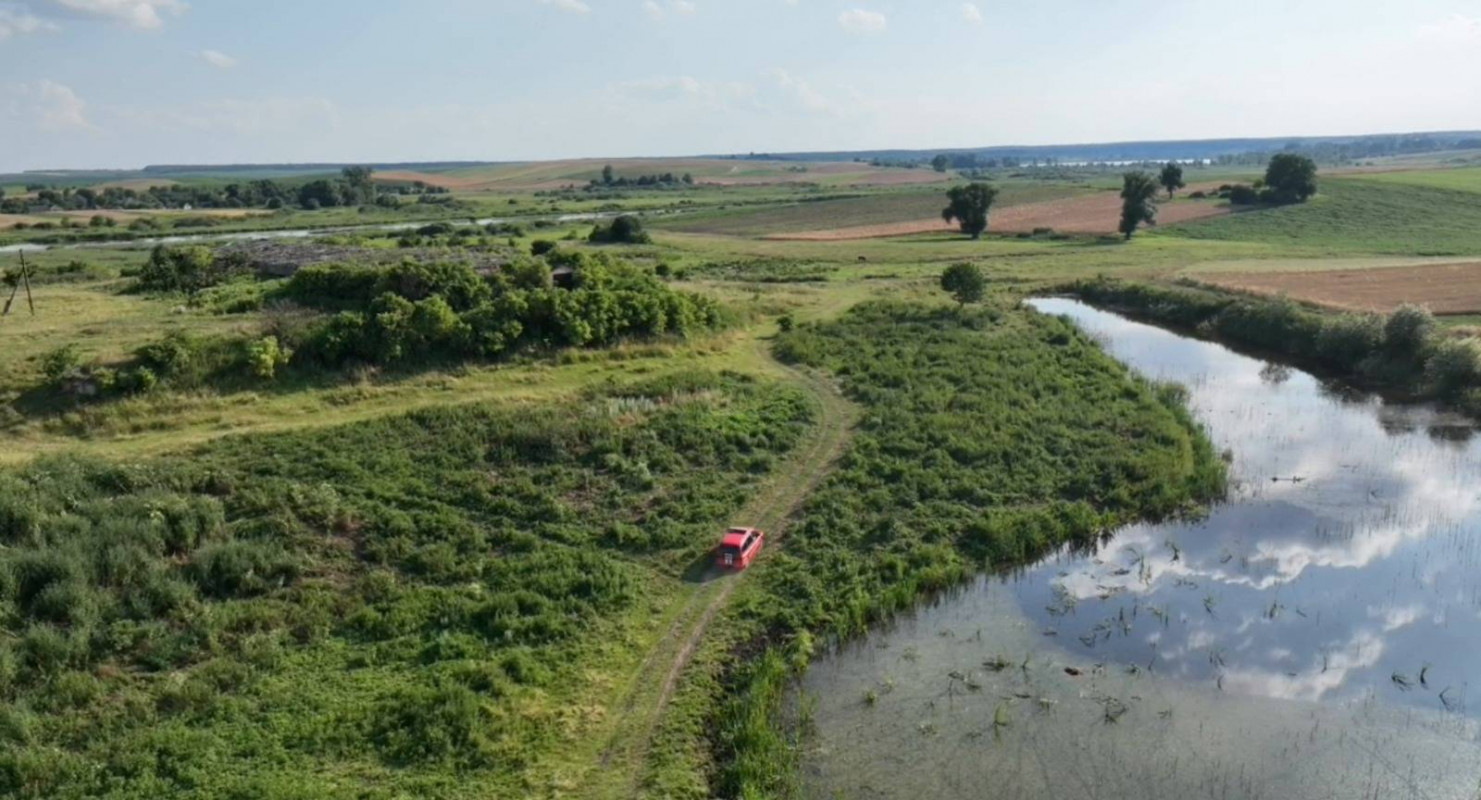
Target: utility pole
16,287
26,277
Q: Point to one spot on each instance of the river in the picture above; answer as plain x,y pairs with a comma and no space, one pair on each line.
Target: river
1318,635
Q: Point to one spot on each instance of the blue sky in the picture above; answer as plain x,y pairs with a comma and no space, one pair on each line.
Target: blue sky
123,83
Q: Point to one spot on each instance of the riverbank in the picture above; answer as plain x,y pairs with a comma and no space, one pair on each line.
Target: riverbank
989,437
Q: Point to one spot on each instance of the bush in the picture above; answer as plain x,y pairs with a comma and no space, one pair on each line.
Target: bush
1345,341
239,569
540,247
1454,367
265,356
177,354
428,726
62,361
1409,330
625,229
1242,195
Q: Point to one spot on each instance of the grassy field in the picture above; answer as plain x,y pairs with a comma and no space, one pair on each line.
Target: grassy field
1360,215
435,569
874,209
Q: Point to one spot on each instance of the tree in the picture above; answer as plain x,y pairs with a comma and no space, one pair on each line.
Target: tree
1137,206
607,175
964,281
940,162
970,205
358,179
1171,178
1291,178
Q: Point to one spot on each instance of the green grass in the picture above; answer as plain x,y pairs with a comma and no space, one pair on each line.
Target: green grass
1353,215
427,604
1459,180
875,209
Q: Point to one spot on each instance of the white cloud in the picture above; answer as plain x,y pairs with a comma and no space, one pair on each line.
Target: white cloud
141,14
801,91
252,117
860,21
657,11
19,19
573,6
1457,29
971,14
216,58
46,106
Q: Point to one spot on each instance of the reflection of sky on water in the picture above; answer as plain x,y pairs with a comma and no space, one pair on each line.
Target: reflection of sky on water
1346,561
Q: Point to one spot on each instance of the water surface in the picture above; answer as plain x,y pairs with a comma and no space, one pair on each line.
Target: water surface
1317,636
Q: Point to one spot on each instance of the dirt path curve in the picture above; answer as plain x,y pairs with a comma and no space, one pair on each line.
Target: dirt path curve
622,761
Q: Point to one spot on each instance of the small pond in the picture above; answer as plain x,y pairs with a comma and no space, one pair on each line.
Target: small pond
1316,636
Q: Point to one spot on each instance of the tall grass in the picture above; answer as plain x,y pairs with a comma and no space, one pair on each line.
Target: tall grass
989,438
401,607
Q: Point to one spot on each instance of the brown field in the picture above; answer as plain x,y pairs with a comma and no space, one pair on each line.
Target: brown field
1444,288
1097,213
431,179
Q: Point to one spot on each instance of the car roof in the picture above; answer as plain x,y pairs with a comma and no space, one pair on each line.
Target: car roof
736,536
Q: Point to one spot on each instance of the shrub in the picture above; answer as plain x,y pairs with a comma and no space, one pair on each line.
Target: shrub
265,356
177,354
239,568
1408,330
185,269
1242,195
59,363
1346,340
1454,367
625,229
431,725
540,247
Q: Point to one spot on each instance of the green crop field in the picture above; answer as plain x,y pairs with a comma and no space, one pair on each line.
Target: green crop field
1462,180
1360,215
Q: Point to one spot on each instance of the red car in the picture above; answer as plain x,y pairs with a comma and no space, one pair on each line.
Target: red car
739,548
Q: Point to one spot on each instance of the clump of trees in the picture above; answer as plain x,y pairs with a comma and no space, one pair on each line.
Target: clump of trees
447,310
1289,178
188,269
1138,202
666,180
625,229
969,206
385,315
352,187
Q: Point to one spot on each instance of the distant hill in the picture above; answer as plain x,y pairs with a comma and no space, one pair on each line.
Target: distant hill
1324,147
422,166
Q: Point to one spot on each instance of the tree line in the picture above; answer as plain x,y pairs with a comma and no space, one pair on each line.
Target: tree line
353,186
